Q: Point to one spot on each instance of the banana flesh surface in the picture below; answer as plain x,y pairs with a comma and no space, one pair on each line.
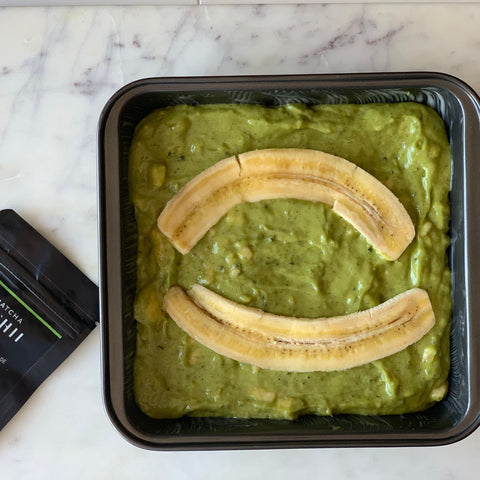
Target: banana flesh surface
276,342
301,174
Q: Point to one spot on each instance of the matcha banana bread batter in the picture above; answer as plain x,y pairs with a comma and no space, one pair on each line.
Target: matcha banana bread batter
290,257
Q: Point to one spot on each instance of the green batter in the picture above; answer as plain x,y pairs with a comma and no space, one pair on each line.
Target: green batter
290,257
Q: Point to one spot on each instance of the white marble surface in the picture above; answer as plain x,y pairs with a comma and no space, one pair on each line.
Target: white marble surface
58,67
42,3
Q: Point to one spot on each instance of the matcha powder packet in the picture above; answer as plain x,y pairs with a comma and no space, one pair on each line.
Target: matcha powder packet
47,308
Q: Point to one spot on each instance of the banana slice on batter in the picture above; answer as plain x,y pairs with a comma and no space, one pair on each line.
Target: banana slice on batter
276,342
302,174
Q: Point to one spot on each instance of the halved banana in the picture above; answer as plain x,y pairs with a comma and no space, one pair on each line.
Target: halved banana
302,174
276,342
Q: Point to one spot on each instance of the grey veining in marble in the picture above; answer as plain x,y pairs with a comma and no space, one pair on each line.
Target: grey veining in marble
58,67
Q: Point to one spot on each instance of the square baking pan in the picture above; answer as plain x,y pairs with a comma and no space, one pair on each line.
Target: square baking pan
448,421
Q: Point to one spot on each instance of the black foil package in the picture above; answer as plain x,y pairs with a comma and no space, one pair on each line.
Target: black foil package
47,308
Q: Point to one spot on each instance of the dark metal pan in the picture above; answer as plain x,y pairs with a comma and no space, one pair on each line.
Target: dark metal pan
448,421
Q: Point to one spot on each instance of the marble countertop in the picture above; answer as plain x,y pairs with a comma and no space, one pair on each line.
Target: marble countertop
58,67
